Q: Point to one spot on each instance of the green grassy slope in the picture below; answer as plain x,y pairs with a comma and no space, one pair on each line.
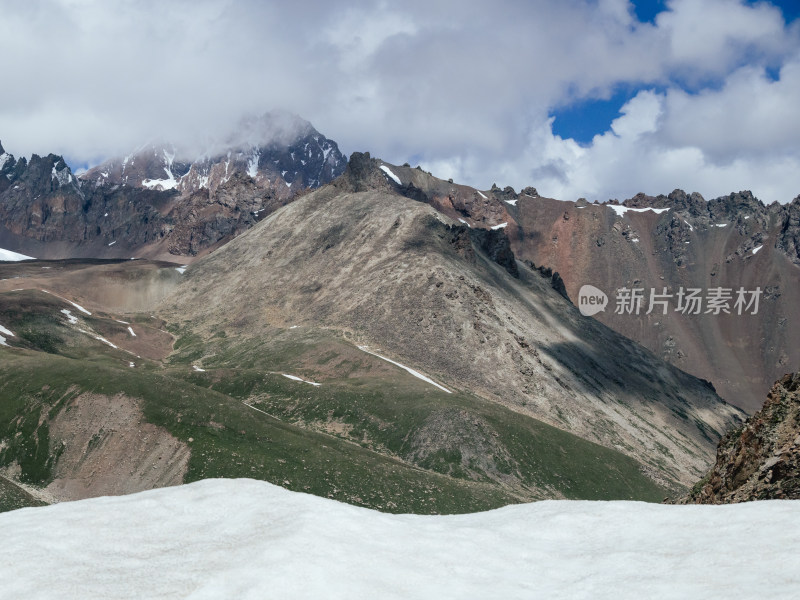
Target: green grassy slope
371,434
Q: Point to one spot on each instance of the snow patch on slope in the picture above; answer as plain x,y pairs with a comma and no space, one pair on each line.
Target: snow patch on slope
409,369
9,256
501,226
621,210
391,175
7,332
295,378
71,319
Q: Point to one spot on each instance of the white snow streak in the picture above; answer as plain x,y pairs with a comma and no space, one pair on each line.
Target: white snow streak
511,202
481,194
416,374
182,269
78,306
7,332
295,378
101,339
198,369
621,210
465,223
756,249
501,226
391,175
131,330
720,224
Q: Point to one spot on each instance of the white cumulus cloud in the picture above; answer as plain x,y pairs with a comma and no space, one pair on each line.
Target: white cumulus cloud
465,88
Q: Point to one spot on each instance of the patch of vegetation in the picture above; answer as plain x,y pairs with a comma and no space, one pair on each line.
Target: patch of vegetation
371,435
382,414
229,439
13,497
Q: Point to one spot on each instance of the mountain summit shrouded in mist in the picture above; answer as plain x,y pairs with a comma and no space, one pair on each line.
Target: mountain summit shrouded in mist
163,199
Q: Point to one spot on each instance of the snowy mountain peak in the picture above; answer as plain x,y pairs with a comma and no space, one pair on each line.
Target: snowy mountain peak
275,148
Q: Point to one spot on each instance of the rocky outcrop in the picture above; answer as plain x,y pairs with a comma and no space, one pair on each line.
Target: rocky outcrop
789,237
761,459
495,243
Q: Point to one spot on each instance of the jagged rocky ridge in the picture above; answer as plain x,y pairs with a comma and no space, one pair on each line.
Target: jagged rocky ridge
732,242
761,459
154,203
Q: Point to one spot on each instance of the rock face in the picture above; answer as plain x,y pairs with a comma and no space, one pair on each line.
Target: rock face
733,242
156,203
761,459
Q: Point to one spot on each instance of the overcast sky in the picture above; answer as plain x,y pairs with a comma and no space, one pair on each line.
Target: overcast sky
593,98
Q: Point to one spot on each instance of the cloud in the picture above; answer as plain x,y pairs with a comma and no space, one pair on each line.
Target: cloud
463,87
742,136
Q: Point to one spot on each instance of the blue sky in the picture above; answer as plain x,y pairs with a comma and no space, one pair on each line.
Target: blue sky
578,98
583,119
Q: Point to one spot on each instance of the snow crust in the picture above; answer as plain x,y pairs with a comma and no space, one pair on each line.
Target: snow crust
720,224
757,248
72,319
105,341
198,369
511,202
130,329
481,194
296,378
182,269
391,175
250,539
78,306
9,256
501,226
5,331
621,210
63,176
465,222
409,369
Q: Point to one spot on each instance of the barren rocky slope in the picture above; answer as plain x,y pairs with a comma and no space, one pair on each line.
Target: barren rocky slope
731,242
761,459
398,277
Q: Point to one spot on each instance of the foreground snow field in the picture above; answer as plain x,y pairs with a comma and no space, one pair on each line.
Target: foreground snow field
249,539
